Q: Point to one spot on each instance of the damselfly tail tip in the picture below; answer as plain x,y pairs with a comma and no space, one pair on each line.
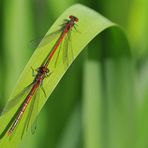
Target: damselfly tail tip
72,17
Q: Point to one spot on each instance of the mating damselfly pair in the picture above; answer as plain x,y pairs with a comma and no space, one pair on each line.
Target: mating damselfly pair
43,72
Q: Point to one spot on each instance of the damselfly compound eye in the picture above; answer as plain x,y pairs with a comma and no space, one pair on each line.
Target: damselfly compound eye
74,18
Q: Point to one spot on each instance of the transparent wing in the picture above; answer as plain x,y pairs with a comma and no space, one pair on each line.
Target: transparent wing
70,50
44,40
67,49
67,52
59,49
34,117
13,102
30,113
31,119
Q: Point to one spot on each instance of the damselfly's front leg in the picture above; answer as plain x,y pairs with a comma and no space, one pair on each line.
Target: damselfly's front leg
76,29
43,90
47,75
33,72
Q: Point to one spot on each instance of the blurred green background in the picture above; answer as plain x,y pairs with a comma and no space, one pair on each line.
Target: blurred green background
100,103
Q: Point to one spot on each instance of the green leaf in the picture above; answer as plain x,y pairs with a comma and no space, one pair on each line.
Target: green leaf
90,25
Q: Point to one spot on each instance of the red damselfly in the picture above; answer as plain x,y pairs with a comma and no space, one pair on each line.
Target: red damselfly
30,92
63,34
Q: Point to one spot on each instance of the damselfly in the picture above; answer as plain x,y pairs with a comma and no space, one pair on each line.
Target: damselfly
63,36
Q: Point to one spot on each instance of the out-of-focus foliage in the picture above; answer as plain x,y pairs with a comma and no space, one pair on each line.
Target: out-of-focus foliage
116,88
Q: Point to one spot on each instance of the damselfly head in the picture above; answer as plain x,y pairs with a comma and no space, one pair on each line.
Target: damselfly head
74,18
